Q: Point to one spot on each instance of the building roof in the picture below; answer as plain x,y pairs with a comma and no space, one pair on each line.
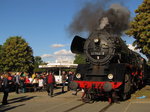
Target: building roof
59,65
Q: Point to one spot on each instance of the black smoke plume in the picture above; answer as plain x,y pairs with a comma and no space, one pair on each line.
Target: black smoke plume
95,16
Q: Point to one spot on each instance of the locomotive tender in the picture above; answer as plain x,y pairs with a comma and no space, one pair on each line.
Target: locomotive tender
112,70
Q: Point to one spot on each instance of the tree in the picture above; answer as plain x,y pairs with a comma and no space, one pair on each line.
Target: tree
1,67
140,28
80,59
17,55
38,61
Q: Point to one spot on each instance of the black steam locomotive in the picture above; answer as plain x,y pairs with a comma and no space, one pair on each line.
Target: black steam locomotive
112,70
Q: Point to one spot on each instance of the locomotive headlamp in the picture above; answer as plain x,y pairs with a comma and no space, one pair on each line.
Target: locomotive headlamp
110,76
96,40
78,76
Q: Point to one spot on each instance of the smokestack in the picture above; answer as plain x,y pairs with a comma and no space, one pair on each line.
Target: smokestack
77,45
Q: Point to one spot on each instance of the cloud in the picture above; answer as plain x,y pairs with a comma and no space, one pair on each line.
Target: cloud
65,59
130,46
57,45
63,52
46,56
59,56
64,56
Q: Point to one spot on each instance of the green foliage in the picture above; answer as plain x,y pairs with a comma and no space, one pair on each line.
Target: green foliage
38,61
0,49
17,55
140,28
148,62
80,59
1,67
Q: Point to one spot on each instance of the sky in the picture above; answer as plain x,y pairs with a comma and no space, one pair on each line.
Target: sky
43,24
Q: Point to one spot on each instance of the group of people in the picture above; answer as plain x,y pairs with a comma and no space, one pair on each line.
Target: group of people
66,77
21,81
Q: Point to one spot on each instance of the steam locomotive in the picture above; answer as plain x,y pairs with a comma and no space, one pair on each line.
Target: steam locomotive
112,70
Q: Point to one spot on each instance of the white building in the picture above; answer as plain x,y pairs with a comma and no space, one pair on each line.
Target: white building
58,67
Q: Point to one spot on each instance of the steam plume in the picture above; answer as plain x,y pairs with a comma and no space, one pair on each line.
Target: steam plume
104,21
86,20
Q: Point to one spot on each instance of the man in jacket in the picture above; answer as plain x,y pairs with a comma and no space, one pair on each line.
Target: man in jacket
5,85
17,82
50,84
1,79
64,78
70,78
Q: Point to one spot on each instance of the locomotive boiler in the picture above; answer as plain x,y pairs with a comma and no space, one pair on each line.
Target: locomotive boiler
112,70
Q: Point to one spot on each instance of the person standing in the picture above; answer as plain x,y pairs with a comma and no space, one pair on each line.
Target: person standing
64,78
17,82
40,84
1,80
35,83
22,84
70,78
5,84
50,84
44,81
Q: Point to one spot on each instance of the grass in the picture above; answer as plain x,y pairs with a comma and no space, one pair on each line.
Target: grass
143,92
